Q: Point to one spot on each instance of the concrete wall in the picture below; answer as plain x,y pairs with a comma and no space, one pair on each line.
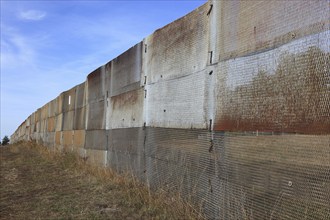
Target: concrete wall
228,105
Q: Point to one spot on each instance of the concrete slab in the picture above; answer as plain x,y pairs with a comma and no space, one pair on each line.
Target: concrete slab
126,71
79,138
96,139
126,110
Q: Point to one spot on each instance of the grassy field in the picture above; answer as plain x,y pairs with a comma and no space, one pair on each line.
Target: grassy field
39,184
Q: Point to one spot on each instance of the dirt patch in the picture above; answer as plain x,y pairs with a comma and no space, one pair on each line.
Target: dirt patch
39,184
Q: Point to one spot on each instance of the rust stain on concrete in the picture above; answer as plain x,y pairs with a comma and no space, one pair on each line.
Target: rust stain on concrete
294,99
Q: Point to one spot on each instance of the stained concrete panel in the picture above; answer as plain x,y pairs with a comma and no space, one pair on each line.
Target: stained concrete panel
126,150
43,125
44,112
126,110
95,85
79,138
281,90
59,104
50,139
178,49
179,103
69,100
96,139
67,139
33,118
38,115
96,157
107,80
79,118
95,115
80,96
126,70
58,138
51,108
245,27
59,122
68,120
51,124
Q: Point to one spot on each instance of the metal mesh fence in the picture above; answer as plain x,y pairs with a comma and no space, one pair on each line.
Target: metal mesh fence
228,106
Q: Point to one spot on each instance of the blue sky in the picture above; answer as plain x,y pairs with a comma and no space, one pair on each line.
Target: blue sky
50,46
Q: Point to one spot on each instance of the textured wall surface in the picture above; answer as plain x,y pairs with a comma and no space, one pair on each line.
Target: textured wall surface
228,106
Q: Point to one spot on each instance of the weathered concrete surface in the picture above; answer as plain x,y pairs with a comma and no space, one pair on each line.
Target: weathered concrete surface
80,100
95,116
241,31
179,103
51,124
126,71
69,100
79,139
96,139
59,104
95,100
68,120
287,93
95,85
59,122
126,151
126,110
228,105
58,139
79,121
178,49
96,157
51,108
67,139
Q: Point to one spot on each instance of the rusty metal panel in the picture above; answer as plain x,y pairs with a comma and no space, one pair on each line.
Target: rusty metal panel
96,139
179,103
281,90
178,49
79,138
246,27
126,71
126,110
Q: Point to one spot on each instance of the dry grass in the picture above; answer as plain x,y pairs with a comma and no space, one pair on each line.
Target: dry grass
37,183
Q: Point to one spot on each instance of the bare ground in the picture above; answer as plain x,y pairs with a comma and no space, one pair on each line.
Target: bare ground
39,184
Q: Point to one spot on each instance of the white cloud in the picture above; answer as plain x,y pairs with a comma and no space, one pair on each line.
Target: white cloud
32,15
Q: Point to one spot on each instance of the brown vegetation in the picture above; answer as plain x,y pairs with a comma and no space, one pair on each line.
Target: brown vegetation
37,183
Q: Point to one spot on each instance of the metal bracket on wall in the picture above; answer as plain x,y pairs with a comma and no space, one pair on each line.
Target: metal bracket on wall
209,11
211,56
